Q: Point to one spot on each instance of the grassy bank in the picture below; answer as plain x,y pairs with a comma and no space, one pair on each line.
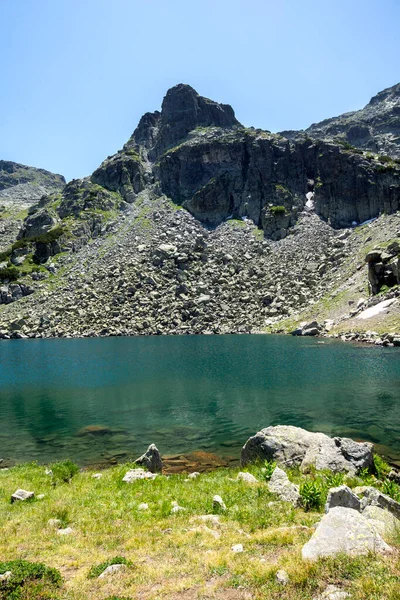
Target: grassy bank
178,555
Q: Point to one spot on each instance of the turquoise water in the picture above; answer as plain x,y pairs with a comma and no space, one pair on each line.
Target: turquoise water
189,393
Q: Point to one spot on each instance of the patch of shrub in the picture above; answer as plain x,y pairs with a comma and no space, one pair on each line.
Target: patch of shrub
29,580
64,471
45,238
268,469
381,468
312,495
384,159
334,479
10,273
278,210
97,570
5,255
390,488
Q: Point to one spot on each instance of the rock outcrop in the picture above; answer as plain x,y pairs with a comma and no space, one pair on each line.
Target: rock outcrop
375,127
293,446
344,530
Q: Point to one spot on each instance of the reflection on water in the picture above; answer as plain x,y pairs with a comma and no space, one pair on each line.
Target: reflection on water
189,393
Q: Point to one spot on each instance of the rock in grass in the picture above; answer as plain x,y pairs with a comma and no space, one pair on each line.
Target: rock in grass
176,508
247,477
282,577
280,485
218,503
56,523
6,576
332,592
343,530
143,506
97,475
342,496
135,474
151,459
237,548
193,475
66,531
21,495
111,570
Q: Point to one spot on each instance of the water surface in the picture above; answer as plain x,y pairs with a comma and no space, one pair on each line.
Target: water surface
189,393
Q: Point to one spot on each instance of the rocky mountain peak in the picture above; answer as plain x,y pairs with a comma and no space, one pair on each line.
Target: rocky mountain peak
390,94
183,109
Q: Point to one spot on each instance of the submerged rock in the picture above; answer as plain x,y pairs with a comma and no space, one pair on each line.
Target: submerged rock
293,446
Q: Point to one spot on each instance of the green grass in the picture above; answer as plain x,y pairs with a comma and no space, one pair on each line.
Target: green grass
170,555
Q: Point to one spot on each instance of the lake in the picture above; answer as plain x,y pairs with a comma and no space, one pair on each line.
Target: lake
108,398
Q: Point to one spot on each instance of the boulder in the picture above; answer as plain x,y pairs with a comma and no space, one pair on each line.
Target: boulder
21,495
151,459
66,531
342,496
293,446
343,530
286,490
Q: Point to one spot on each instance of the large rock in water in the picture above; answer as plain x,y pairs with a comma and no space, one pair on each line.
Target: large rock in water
343,530
293,446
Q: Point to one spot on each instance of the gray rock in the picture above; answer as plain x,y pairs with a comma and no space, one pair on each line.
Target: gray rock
342,496
151,459
21,495
286,490
343,530
112,570
136,474
247,477
373,497
56,523
237,548
332,592
292,446
282,577
218,503
5,576
66,531
193,475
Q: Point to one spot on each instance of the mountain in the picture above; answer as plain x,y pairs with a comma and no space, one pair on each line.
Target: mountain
20,188
199,224
375,128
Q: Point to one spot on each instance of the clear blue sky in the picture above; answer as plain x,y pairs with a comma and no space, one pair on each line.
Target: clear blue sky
76,75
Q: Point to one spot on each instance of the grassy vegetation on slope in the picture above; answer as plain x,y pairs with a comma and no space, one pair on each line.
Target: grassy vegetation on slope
178,555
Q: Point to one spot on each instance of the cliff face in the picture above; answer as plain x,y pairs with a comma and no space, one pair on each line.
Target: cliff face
201,157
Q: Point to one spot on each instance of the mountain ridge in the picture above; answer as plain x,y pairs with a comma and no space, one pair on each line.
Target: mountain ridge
171,216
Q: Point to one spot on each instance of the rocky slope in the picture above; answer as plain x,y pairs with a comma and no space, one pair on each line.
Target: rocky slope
201,225
376,127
